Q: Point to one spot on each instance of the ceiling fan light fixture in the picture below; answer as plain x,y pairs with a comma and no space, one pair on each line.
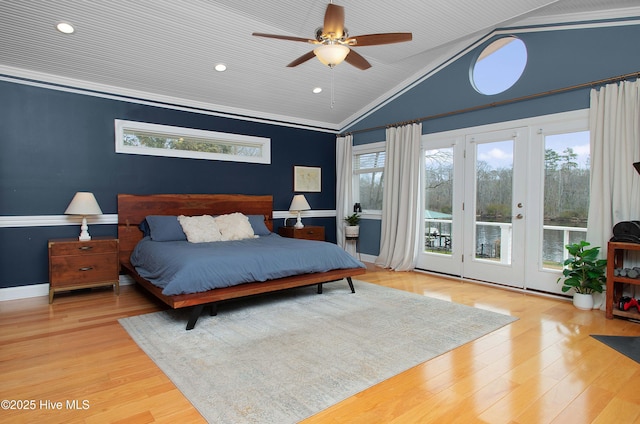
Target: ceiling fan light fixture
331,54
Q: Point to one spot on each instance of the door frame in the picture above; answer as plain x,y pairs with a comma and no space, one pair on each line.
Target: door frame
536,127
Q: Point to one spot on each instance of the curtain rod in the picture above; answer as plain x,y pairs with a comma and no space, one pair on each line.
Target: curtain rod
501,102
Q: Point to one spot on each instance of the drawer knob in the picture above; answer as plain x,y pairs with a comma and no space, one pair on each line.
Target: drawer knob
85,247
85,268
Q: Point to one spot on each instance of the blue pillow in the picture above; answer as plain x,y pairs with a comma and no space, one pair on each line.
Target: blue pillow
165,228
144,227
258,225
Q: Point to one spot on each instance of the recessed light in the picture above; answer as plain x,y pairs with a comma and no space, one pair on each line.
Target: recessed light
220,67
65,28
317,90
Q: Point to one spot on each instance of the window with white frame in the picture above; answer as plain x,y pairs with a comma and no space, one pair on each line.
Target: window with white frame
368,176
141,138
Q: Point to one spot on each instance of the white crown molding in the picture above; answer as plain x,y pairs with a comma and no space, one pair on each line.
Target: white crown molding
585,17
629,16
70,85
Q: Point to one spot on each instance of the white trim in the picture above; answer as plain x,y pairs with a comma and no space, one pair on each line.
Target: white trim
369,147
440,63
62,220
169,131
534,121
70,85
54,220
24,292
42,289
625,13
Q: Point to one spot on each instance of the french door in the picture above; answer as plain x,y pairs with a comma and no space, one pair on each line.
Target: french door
495,200
494,206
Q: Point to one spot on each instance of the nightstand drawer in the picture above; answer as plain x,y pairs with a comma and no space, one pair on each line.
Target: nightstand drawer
62,248
311,232
71,270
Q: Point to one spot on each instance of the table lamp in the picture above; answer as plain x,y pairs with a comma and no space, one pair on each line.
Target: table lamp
83,204
299,203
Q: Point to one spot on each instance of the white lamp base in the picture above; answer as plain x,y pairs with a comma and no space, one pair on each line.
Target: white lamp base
298,224
84,231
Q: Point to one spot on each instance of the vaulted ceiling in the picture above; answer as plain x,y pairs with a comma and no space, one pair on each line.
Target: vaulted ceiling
166,50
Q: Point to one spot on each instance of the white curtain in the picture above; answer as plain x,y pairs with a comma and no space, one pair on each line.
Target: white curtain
344,175
614,122
399,241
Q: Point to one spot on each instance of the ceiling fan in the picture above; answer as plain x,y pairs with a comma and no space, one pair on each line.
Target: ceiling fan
334,43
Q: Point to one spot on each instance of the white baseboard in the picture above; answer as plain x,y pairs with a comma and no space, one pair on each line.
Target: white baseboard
37,290
24,292
368,258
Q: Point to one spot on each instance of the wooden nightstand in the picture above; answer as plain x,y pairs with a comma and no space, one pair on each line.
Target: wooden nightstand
310,232
75,264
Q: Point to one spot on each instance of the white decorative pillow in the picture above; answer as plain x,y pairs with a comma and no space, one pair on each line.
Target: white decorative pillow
234,226
200,229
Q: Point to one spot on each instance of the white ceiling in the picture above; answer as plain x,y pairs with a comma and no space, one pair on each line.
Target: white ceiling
165,50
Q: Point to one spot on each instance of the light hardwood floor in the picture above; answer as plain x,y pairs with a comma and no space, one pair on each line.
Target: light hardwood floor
544,368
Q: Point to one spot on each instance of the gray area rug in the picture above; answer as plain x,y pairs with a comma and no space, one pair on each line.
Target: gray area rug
285,356
628,346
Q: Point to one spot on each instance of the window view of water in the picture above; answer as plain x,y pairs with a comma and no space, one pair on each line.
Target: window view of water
488,242
565,205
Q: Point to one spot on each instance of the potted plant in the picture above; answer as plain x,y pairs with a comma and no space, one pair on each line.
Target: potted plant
352,229
584,273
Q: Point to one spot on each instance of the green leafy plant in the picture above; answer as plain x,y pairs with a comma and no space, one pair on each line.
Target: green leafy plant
352,219
583,271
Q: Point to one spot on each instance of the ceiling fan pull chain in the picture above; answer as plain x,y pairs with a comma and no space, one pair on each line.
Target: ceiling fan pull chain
333,100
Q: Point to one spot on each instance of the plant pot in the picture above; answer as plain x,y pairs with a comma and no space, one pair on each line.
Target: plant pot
583,301
352,231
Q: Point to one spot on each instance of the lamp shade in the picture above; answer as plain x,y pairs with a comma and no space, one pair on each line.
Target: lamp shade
83,203
331,54
299,203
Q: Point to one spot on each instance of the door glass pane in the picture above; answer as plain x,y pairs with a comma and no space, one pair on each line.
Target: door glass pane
438,200
494,187
566,194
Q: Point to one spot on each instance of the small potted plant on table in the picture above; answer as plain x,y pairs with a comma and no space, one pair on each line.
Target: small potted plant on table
584,273
352,229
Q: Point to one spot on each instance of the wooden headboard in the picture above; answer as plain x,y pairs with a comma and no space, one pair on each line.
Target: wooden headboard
133,208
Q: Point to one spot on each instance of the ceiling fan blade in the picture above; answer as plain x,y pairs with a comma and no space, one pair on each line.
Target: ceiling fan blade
377,39
333,22
284,37
301,59
357,60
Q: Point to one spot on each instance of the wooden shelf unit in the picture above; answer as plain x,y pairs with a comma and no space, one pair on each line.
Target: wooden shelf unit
615,260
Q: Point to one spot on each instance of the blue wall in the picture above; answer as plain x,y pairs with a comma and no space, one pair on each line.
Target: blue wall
54,143
556,59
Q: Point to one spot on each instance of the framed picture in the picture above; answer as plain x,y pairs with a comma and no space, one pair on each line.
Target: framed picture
306,178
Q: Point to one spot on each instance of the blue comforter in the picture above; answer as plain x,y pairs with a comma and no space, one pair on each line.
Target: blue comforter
180,267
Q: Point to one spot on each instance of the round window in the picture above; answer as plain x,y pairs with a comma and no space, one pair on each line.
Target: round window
499,66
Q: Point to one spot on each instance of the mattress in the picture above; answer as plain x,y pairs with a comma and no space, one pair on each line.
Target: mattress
181,267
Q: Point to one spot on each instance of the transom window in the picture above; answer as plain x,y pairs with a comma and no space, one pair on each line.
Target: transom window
141,138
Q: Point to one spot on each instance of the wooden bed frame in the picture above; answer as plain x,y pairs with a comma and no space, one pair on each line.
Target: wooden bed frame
132,210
